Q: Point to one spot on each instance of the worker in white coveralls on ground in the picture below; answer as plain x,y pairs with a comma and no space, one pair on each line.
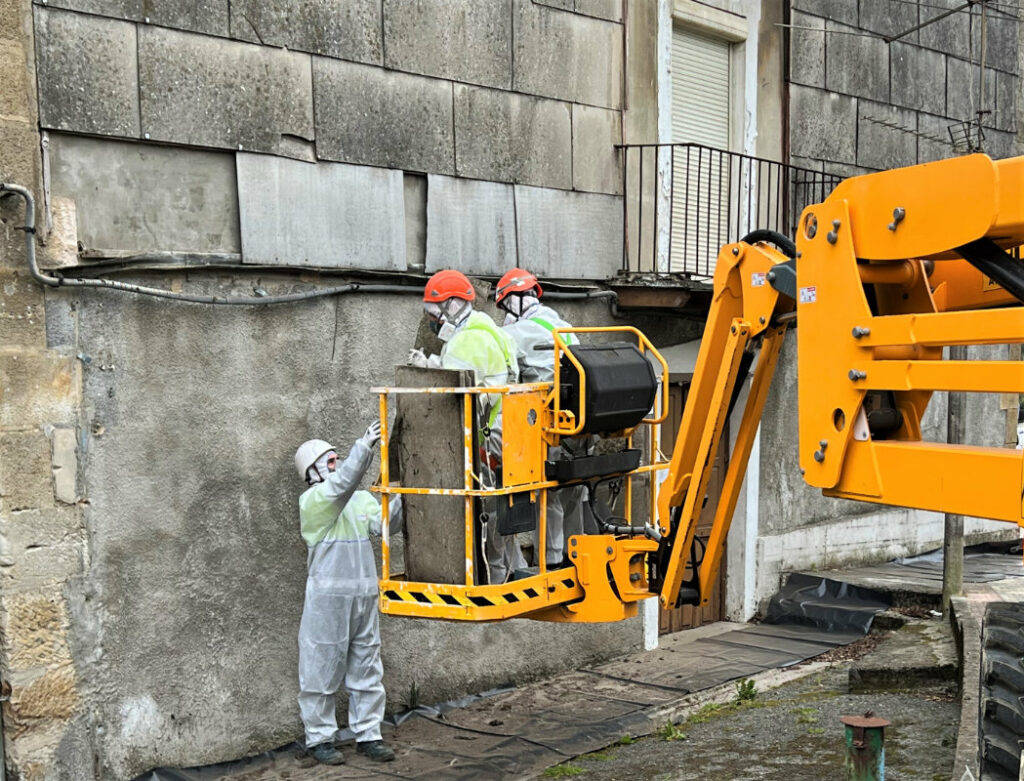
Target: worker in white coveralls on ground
472,341
339,637
531,326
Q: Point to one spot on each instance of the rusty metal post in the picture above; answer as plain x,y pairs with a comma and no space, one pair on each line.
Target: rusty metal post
865,747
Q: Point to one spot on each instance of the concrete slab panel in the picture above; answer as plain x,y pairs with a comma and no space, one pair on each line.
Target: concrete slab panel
347,29
1000,145
887,18
569,235
25,477
596,163
962,98
602,9
916,78
640,117
1004,115
132,197
471,226
376,117
952,34
807,51
24,321
14,81
842,11
200,16
562,5
566,56
320,214
886,137
509,137
212,92
856,65
823,125
87,74
933,142
461,40
1002,42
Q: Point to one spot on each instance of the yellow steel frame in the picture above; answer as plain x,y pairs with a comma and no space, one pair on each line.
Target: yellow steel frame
744,308
565,423
582,593
924,297
845,349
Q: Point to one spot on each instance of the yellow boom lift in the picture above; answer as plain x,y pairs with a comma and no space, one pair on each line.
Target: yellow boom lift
888,270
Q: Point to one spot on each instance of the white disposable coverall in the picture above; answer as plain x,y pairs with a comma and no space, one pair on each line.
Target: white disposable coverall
339,636
565,506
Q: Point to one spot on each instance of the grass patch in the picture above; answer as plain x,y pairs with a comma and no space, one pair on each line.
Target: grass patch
597,756
563,771
671,732
806,715
627,740
746,690
815,731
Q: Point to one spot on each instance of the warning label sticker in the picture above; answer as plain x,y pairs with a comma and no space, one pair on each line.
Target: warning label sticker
757,279
808,295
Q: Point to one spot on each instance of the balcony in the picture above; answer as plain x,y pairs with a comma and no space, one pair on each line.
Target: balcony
684,201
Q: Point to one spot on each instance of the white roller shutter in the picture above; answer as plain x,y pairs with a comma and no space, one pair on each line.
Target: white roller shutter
700,114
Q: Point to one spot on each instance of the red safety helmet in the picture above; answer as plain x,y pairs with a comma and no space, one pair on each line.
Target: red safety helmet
516,281
448,284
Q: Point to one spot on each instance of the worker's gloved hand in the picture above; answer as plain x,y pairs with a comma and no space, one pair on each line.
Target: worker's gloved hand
372,435
423,361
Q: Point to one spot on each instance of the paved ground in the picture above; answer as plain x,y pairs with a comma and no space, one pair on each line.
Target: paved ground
791,733
573,725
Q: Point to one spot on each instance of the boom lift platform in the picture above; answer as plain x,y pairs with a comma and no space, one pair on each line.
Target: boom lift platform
887,271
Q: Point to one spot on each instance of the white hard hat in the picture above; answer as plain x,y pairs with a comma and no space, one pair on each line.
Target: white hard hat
308,453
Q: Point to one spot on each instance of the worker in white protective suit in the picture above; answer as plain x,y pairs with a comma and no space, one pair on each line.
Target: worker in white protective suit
472,341
339,636
531,326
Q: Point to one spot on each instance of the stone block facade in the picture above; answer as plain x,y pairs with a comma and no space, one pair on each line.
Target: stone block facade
866,103
512,91
241,148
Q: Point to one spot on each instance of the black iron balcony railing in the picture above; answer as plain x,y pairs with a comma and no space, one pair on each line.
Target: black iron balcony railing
683,201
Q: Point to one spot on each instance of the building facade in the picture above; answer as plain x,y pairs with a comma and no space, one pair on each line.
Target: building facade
151,571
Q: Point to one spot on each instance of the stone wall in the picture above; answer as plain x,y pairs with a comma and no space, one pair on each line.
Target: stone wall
524,96
152,571
860,104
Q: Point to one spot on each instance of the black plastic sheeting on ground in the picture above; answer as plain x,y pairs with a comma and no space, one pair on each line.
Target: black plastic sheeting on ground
825,604
228,769
511,733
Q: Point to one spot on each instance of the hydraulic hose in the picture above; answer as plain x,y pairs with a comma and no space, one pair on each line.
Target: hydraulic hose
780,240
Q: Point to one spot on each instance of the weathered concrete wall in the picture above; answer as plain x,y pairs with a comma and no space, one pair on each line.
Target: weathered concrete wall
152,570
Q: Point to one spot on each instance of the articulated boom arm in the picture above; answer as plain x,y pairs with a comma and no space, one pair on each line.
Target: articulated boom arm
891,268
747,310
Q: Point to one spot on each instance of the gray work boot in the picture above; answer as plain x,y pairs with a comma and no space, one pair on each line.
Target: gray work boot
377,750
326,754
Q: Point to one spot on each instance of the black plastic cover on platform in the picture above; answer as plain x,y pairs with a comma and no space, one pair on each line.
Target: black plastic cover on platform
825,604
